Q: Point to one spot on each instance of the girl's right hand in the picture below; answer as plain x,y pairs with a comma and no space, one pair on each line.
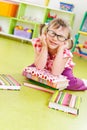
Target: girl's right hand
43,39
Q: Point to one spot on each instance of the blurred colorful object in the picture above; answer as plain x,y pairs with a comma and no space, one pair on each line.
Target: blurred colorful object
66,6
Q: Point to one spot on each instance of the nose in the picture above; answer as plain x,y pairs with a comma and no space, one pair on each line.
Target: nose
55,38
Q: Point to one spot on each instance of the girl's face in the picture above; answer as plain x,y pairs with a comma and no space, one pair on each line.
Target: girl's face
56,37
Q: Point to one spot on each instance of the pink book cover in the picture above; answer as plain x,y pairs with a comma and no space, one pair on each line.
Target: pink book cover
67,99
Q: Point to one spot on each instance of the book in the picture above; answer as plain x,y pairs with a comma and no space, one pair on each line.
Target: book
8,82
38,87
45,77
65,102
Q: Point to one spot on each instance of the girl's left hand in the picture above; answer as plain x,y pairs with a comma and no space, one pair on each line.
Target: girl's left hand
63,46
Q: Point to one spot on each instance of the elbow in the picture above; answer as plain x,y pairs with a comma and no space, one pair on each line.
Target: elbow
56,73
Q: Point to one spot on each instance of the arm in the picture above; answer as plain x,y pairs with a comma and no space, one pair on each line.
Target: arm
59,62
41,57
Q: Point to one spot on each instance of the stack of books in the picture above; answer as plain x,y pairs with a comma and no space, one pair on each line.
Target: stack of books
65,102
45,77
8,82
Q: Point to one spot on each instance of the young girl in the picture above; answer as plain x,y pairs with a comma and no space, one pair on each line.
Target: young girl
52,52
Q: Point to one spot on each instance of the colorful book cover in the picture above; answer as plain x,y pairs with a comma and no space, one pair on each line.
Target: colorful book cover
8,82
45,77
65,101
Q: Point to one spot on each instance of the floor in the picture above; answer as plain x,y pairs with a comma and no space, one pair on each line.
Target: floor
27,109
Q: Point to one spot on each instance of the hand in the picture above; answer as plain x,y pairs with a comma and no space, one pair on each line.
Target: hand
63,46
43,39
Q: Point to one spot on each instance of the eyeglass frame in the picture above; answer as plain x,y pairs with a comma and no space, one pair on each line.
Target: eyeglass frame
57,36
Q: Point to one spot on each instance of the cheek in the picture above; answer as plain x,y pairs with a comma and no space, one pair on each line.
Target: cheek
47,39
60,43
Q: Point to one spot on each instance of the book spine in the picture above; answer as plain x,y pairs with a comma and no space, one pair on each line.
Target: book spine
78,101
54,96
66,99
13,80
61,98
58,97
39,88
4,80
72,101
7,79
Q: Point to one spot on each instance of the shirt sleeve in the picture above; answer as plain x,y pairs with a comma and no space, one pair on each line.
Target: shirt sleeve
67,53
70,63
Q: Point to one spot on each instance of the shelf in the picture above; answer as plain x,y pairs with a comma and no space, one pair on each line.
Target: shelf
83,33
16,37
29,15
63,11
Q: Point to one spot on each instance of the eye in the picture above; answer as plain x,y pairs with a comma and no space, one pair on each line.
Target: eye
61,38
51,33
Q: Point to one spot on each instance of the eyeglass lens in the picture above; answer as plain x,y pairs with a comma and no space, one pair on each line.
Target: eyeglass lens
59,37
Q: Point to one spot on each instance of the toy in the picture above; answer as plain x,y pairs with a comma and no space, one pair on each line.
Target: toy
23,32
50,17
82,49
85,44
66,6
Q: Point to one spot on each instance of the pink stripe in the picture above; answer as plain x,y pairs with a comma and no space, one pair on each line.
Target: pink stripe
73,100
66,99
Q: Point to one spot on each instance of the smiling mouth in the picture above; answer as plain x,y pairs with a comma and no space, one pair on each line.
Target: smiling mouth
53,43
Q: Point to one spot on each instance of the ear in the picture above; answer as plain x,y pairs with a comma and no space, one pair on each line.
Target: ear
70,44
43,29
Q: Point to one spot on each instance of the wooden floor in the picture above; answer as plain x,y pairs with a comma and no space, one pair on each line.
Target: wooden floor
27,109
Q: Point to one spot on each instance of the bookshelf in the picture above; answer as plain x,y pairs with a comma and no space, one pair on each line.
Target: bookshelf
27,16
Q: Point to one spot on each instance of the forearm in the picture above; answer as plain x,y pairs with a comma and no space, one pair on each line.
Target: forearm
59,63
41,58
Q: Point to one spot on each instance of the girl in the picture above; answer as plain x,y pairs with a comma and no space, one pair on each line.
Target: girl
52,52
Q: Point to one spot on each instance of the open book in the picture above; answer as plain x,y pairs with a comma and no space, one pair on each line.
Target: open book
8,82
66,102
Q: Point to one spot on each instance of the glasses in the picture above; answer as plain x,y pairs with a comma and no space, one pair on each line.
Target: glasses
59,37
